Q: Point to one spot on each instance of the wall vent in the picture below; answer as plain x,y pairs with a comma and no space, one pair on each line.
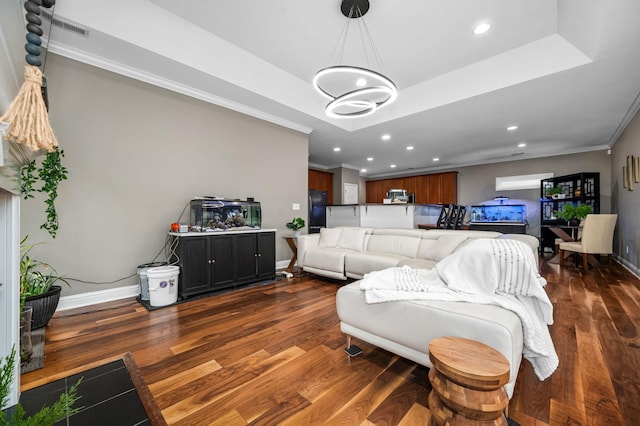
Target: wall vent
65,25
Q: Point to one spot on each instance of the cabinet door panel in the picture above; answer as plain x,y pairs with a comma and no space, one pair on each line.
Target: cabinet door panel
221,261
246,254
422,189
434,185
449,188
266,255
194,261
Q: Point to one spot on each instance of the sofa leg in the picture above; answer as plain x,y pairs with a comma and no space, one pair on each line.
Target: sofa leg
352,350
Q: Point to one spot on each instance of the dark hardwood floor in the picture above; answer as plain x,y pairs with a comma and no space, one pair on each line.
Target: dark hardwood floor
273,354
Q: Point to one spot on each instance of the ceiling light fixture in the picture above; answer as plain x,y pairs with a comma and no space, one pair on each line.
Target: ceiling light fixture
481,28
409,148
386,137
393,166
436,159
512,128
369,158
336,149
354,91
522,145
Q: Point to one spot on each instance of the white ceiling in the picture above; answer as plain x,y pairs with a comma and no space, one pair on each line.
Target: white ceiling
565,71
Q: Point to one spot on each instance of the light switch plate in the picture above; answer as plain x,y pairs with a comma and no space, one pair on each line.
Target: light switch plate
295,206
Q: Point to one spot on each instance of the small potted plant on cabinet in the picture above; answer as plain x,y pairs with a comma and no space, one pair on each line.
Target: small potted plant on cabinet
555,192
296,225
37,289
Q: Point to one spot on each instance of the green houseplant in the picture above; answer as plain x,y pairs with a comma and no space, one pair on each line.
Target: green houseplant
573,214
296,224
51,172
47,416
37,286
554,192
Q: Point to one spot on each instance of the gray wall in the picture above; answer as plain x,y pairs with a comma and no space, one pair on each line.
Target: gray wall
477,183
136,155
344,175
624,202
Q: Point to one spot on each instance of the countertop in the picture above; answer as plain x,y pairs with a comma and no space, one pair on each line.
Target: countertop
225,232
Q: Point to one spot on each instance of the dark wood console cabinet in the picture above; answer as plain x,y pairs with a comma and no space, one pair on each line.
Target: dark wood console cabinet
215,262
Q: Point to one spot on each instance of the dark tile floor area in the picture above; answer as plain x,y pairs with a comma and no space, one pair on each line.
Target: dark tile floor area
108,397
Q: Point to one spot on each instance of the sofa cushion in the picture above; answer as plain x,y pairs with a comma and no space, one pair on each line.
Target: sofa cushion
329,237
358,264
326,258
393,244
442,247
352,239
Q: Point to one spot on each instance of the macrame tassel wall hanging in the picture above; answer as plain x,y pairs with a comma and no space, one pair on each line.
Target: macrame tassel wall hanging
27,116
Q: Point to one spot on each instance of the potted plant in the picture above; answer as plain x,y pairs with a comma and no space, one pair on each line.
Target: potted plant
51,172
296,224
47,416
573,214
555,192
37,288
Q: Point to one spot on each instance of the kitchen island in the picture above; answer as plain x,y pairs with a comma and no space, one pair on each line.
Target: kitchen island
395,215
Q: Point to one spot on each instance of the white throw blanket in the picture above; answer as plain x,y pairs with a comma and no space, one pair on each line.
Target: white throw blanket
498,272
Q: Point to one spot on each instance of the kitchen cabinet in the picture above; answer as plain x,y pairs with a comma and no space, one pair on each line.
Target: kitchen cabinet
437,188
321,181
223,260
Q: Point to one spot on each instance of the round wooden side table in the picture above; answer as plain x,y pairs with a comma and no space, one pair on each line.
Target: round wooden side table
467,381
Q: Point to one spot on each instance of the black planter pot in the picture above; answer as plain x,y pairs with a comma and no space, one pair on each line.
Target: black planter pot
44,305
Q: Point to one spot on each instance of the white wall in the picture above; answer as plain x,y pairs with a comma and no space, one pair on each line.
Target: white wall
136,155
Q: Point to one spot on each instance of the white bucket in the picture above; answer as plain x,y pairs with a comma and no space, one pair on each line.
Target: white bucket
142,278
163,285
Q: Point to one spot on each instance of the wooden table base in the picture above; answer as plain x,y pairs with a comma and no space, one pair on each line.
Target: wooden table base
467,382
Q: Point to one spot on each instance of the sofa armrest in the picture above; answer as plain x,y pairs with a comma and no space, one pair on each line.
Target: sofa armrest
304,242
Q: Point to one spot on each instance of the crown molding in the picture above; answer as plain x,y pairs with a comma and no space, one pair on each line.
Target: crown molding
137,74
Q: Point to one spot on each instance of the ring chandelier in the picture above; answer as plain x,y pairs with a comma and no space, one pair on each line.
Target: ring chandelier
354,91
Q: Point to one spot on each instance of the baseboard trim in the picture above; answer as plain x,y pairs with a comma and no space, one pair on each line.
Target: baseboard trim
74,301
94,297
628,266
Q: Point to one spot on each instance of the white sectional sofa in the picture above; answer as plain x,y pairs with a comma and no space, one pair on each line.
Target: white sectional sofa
406,327
351,252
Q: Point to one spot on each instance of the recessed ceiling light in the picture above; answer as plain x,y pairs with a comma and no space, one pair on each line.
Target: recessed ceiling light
512,128
481,28
436,159
393,166
361,82
409,148
363,170
386,137
369,158
336,149
522,145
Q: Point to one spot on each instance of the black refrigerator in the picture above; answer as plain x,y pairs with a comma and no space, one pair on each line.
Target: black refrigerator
317,210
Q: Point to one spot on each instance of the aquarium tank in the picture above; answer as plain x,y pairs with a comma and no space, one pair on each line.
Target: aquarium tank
515,213
219,214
